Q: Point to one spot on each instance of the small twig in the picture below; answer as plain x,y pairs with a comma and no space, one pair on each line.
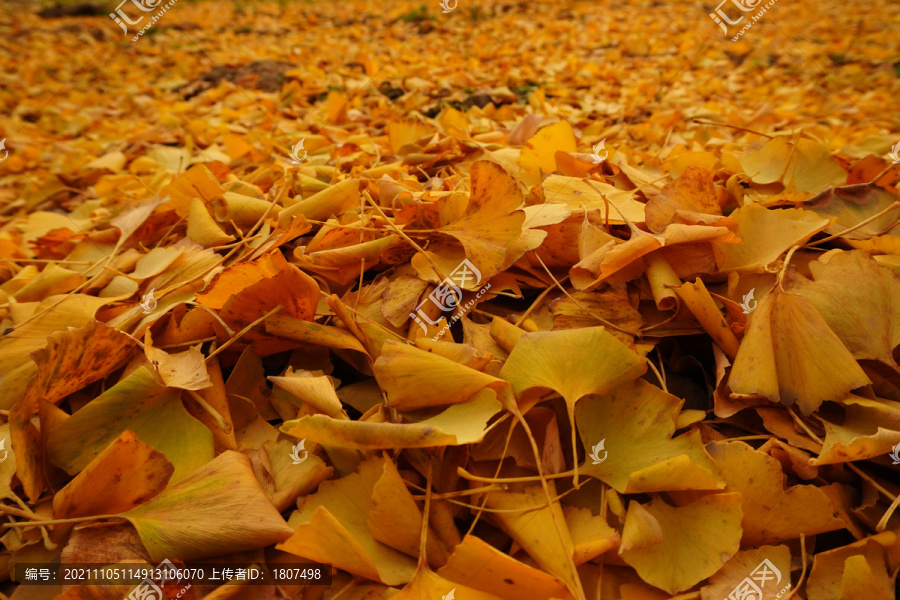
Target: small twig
702,122
862,223
216,415
243,331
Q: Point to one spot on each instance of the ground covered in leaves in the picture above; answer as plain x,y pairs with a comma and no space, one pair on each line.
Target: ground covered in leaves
569,300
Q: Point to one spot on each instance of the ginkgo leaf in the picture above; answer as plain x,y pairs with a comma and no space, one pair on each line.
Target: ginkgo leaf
572,363
540,530
617,262
294,290
802,164
184,370
492,221
136,403
869,428
50,316
70,360
196,182
771,512
857,299
413,378
128,471
858,571
576,194
203,229
693,190
290,480
427,584
332,526
677,554
317,391
855,206
591,534
477,564
457,425
540,150
636,423
790,355
333,200
766,235
187,519
395,519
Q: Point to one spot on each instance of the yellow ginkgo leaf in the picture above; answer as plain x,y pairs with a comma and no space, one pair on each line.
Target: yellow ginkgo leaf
186,520
766,235
333,200
457,425
183,370
575,193
196,182
427,584
492,221
540,530
539,152
136,403
413,378
857,297
868,428
128,471
332,526
637,422
203,229
864,207
572,363
801,164
693,191
395,519
789,354
70,360
591,534
290,480
477,564
771,513
859,571
668,550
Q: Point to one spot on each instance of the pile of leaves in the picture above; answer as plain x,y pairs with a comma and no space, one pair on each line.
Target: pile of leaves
552,301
